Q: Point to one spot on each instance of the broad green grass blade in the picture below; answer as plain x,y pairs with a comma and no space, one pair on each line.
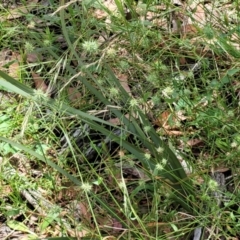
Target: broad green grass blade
12,85
175,173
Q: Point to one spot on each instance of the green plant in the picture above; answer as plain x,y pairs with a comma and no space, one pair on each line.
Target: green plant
173,95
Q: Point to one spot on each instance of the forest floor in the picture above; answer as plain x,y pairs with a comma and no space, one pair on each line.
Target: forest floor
119,119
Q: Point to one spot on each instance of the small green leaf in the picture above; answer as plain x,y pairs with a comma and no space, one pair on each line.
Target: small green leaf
52,216
41,149
225,79
6,148
233,71
174,227
19,226
5,124
232,216
12,212
98,181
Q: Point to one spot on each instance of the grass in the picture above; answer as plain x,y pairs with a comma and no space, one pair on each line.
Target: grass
67,171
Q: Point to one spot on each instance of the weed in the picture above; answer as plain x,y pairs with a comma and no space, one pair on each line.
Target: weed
139,122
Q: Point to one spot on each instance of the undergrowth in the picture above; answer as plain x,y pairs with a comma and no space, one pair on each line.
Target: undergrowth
116,119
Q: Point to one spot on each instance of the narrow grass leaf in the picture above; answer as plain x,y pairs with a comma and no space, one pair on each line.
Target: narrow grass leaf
14,85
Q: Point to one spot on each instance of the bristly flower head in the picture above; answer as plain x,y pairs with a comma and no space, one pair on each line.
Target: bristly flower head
155,100
111,52
213,185
160,150
147,129
47,43
114,91
234,144
90,46
29,47
164,161
133,102
86,187
167,92
39,95
147,156
159,166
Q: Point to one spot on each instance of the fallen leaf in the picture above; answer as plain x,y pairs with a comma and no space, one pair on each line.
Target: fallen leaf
111,224
109,6
116,225
39,82
100,14
221,169
78,234
123,78
9,62
169,120
197,13
5,191
74,95
117,121
188,30
109,238
195,142
180,115
14,70
33,58
5,58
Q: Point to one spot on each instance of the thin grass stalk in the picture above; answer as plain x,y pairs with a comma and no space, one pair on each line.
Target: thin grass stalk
66,174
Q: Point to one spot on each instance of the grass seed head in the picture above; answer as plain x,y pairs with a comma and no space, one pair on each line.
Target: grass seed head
90,46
